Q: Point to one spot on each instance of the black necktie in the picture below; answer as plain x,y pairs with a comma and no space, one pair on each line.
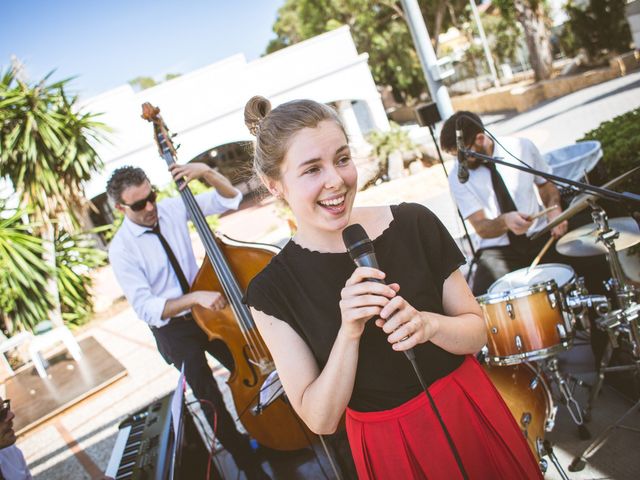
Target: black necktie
506,204
172,259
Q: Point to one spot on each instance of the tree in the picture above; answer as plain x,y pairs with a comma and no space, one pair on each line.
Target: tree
503,35
142,83
378,28
24,300
46,152
599,27
534,18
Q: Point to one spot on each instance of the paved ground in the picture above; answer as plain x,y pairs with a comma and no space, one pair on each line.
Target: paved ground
77,443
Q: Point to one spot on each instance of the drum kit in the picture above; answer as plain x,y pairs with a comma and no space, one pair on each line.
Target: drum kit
533,314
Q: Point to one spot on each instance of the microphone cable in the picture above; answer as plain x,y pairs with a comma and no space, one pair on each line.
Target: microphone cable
411,356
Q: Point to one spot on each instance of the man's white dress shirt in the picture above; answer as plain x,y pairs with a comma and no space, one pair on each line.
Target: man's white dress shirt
13,465
477,193
142,266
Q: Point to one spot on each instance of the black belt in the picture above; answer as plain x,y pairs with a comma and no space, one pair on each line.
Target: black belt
180,318
173,321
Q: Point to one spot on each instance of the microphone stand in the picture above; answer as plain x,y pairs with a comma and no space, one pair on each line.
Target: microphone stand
581,186
464,225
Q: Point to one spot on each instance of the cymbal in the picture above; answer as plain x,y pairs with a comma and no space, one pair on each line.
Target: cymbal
583,241
581,202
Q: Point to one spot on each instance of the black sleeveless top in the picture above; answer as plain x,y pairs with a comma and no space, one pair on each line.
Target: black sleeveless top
302,288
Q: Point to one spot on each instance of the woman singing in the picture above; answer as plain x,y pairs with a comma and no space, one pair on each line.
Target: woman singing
338,339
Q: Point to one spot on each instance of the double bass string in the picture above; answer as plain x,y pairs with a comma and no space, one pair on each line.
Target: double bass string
228,281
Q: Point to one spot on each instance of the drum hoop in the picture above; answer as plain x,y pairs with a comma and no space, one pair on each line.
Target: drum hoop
545,387
524,357
518,292
545,266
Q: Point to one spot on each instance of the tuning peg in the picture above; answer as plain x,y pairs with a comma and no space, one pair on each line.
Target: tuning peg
177,146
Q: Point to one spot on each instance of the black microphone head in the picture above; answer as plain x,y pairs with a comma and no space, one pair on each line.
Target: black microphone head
357,241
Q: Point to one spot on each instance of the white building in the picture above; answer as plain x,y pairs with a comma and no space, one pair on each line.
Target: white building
205,108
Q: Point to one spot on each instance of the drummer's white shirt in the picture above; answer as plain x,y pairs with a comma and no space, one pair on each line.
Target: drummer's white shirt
477,193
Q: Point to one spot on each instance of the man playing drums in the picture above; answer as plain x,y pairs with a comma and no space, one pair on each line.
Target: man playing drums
505,206
500,201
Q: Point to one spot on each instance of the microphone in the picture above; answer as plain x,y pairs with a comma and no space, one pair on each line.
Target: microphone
361,251
360,248
463,167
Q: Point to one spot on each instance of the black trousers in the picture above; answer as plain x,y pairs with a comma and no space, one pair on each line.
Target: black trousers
183,342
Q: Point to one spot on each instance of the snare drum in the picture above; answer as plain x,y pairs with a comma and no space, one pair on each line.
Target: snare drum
525,323
528,397
564,276
569,285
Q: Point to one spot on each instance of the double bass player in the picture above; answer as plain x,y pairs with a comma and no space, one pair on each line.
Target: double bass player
153,260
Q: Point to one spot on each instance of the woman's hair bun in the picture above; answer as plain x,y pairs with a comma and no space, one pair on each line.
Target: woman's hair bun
256,109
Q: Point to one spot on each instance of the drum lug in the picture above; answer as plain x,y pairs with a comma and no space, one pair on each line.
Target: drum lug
543,465
518,343
551,421
553,301
561,331
510,311
525,420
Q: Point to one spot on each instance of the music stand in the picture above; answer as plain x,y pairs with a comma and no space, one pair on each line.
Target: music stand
177,430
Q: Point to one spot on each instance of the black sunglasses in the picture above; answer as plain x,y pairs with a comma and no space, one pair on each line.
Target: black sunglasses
4,410
140,204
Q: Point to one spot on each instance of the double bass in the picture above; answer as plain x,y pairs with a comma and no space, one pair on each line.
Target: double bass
228,267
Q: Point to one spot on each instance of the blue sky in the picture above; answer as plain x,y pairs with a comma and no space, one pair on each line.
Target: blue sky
107,43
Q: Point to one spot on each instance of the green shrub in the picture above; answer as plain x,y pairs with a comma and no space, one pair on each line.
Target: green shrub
386,142
620,140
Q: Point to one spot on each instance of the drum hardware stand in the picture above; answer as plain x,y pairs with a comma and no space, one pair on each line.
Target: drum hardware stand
623,294
619,322
566,394
624,320
545,448
581,299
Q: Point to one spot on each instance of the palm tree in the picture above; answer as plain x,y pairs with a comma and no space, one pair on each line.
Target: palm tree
46,152
23,274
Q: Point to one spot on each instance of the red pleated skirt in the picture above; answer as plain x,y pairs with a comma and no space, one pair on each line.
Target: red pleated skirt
407,442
